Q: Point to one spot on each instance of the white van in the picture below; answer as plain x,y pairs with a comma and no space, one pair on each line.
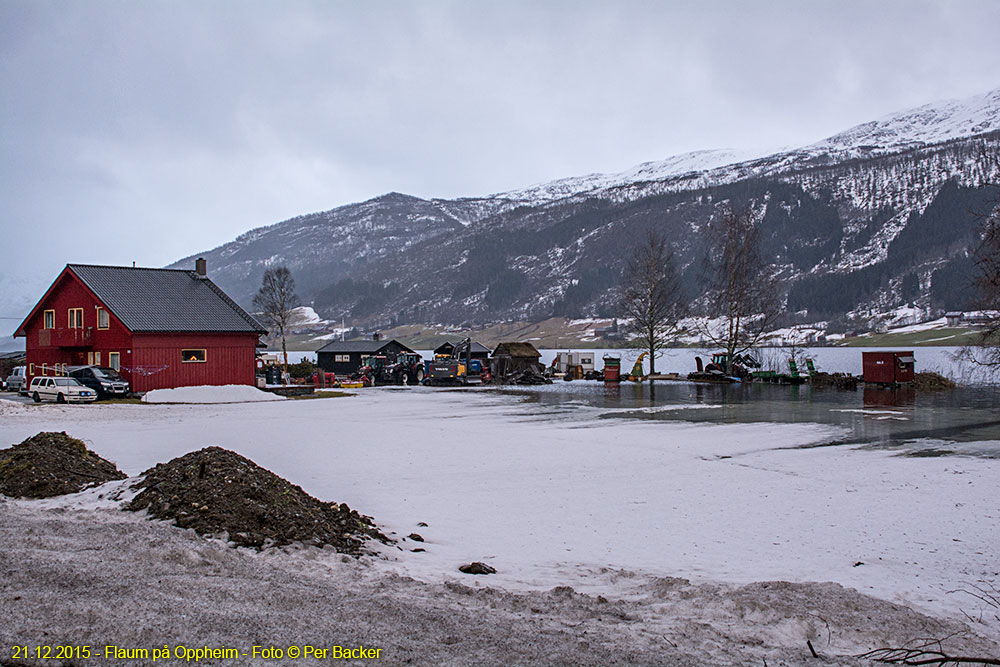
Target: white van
15,381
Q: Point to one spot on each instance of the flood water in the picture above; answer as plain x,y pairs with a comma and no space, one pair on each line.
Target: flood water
963,421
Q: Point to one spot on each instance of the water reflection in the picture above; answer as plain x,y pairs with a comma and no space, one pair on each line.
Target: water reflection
894,418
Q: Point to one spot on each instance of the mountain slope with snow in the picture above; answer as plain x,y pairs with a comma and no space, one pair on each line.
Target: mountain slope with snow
861,222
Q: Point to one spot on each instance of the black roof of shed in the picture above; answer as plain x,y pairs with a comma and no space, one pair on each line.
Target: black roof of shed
366,346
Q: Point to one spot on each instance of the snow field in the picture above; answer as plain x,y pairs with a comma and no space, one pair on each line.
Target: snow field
570,500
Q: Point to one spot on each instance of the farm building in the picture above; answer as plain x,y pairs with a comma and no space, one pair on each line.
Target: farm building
479,351
160,328
343,357
510,358
887,367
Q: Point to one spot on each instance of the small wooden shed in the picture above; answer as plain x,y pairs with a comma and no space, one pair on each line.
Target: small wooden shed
509,358
888,367
479,351
345,357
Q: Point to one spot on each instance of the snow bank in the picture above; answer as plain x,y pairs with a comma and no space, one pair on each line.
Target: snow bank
12,407
230,393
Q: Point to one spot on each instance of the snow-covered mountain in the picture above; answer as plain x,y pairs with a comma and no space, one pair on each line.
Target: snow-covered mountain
860,222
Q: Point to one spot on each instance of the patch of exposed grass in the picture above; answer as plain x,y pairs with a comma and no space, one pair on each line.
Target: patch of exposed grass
943,336
325,394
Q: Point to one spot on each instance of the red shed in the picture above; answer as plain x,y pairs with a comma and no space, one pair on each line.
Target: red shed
161,328
887,367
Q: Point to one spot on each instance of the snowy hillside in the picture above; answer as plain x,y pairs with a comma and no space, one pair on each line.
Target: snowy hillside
859,224
928,124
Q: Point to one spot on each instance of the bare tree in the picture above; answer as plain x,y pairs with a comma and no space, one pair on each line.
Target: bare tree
652,298
987,282
741,287
276,300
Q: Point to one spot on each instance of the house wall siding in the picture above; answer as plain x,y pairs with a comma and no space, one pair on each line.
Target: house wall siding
62,345
157,364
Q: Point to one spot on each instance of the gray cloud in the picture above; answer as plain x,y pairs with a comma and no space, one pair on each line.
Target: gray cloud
147,131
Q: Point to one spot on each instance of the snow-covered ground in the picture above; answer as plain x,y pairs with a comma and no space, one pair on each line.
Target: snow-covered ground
551,497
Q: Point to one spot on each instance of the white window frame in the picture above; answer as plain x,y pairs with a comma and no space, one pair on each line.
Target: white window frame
204,355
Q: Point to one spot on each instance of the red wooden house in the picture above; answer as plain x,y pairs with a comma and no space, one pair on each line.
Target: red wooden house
160,328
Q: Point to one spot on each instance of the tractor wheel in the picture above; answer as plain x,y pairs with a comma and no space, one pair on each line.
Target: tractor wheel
36,398
60,399
420,375
404,378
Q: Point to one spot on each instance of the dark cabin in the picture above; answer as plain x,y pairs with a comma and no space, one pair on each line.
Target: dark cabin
343,357
510,358
479,351
887,367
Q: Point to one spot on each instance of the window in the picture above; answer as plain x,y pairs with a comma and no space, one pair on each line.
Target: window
97,358
31,369
49,319
192,356
90,358
45,370
337,358
114,360
76,318
102,318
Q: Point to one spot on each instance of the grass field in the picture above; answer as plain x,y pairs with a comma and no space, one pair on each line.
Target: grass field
941,336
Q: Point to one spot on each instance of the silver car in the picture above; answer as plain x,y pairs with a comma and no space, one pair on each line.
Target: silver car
60,390
15,381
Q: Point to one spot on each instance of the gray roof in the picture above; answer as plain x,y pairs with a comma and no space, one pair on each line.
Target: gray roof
165,300
364,346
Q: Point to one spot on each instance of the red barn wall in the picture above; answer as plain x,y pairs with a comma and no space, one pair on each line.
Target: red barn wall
157,364
47,346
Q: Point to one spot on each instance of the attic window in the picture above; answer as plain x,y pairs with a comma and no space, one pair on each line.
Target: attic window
192,356
102,318
50,320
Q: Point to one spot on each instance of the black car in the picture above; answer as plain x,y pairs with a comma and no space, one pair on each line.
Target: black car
105,381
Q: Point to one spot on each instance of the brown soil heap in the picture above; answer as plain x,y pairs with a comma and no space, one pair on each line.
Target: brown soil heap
928,381
51,464
214,491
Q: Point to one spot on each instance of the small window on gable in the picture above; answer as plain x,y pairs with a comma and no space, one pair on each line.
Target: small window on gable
102,318
49,319
192,356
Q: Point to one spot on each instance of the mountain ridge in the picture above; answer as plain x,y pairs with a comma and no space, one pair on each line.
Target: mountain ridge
838,205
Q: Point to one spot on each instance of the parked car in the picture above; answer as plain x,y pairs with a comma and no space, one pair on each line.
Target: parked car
105,381
15,381
60,390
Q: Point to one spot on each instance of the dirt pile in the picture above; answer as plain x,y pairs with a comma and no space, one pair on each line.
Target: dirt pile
844,381
52,464
928,381
215,491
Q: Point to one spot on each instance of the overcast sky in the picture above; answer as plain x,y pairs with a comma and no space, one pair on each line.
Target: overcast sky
146,131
